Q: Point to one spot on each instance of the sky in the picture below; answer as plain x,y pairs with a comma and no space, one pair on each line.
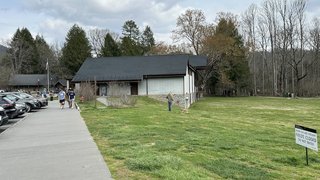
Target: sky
53,18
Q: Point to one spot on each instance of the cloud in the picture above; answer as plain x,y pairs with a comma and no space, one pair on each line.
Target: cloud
111,14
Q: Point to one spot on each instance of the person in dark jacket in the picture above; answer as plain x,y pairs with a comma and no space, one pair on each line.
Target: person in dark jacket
170,100
71,96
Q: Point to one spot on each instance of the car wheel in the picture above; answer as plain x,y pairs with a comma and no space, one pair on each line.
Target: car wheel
28,108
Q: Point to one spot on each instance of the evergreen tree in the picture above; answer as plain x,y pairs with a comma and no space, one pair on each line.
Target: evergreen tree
226,52
110,47
147,40
45,54
76,49
23,55
130,47
131,30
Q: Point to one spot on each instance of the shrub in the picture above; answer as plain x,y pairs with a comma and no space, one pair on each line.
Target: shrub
87,91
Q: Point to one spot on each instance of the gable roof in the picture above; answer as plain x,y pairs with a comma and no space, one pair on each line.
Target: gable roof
28,80
135,67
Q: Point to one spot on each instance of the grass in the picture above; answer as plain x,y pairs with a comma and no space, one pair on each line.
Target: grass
220,138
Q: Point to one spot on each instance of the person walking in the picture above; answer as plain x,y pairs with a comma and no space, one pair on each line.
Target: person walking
62,96
170,100
71,95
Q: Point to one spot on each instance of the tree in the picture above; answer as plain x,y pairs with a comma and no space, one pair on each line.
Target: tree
249,21
129,47
22,52
190,26
97,39
131,30
269,10
315,49
110,47
76,49
130,44
225,49
45,53
147,40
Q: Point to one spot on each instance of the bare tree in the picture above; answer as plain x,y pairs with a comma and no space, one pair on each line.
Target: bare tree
97,37
249,21
269,7
190,26
262,31
315,49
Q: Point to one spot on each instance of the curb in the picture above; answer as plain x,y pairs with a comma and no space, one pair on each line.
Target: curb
15,124
77,106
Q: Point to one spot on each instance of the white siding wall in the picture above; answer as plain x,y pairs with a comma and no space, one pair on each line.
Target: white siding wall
142,87
161,86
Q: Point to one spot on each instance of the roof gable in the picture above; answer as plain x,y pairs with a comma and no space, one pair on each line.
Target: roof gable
135,67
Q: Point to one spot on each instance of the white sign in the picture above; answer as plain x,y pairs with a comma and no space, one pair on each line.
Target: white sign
306,137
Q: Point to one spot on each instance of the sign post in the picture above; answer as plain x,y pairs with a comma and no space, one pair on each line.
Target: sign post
307,138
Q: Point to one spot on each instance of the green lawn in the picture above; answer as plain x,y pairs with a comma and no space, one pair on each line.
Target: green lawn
220,138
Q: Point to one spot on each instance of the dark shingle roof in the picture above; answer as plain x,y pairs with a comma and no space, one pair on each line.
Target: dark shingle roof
135,67
28,80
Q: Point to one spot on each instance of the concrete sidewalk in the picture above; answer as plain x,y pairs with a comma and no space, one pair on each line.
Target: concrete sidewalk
50,144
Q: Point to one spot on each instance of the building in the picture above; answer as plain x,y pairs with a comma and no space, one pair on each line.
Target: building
29,82
143,75
35,82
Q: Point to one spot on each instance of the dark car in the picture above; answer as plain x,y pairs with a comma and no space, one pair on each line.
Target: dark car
9,107
3,117
29,97
29,103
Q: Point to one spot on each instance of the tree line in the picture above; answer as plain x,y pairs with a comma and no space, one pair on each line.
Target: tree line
270,49
283,48
28,55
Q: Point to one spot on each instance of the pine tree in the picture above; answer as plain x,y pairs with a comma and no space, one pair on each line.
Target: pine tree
130,47
23,55
131,30
147,40
45,54
110,47
76,49
130,44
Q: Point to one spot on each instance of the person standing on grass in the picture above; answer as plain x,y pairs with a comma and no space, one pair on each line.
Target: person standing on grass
170,100
71,95
62,96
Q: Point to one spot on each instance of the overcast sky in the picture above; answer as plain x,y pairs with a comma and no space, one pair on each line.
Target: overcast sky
53,18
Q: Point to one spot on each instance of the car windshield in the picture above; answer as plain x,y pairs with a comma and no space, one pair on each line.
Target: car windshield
12,97
25,95
7,100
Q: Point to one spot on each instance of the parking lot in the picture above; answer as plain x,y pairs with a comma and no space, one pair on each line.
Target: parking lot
12,122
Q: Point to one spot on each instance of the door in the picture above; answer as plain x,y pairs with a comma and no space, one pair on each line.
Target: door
134,88
103,90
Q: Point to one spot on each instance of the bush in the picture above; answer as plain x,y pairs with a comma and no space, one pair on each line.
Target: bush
87,91
121,101
128,100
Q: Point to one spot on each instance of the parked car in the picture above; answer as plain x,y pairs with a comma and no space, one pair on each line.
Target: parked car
43,100
9,107
3,117
30,104
30,97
